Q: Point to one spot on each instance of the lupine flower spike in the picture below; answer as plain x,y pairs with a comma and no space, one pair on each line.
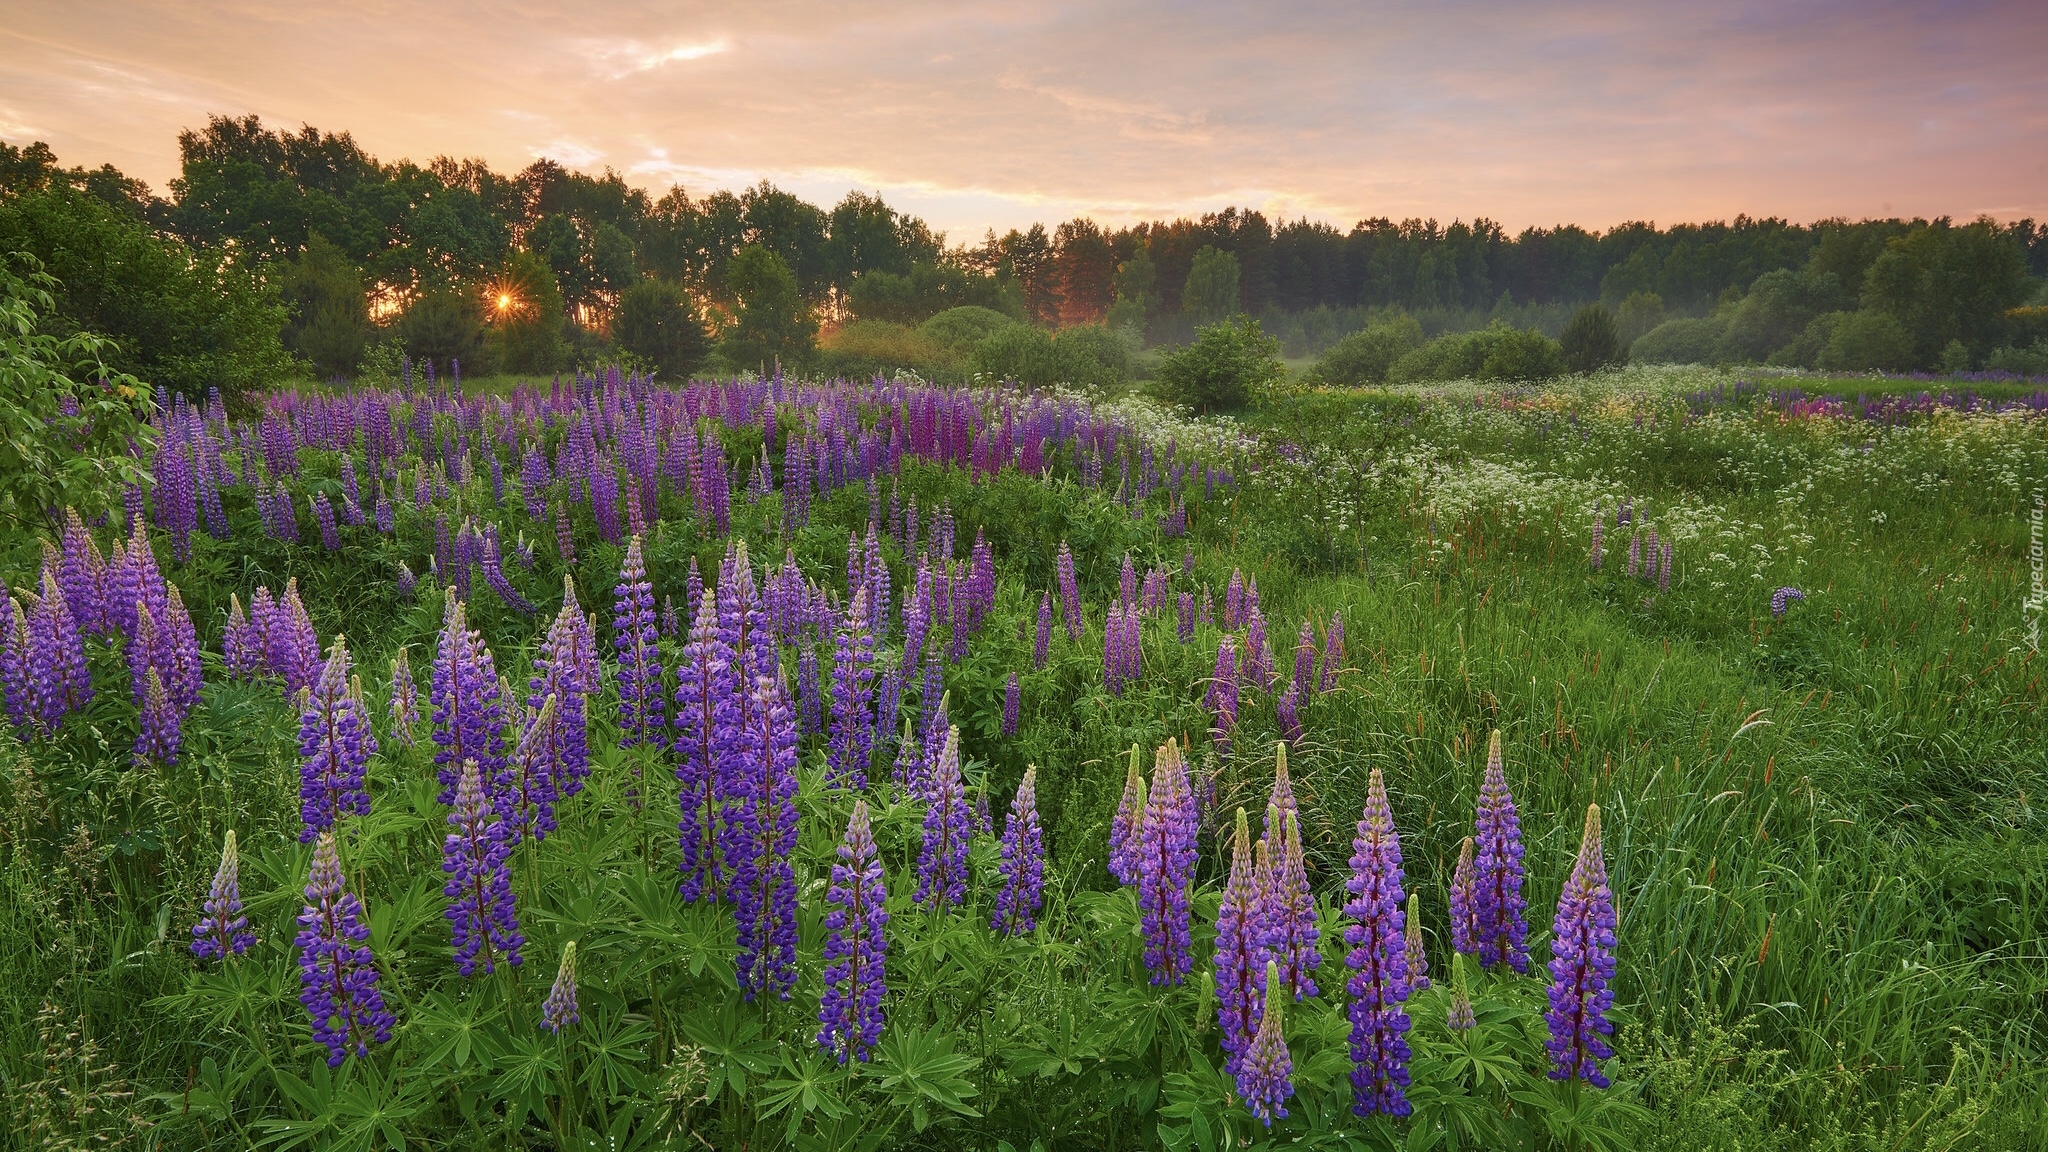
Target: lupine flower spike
476,857
1418,958
224,931
1240,953
1291,932
1581,966
1502,934
1460,1017
337,971
336,746
405,701
1123,827
559,1010
1165,863
942,860
634,640
1023,862
1378,960
856,945
1267,1079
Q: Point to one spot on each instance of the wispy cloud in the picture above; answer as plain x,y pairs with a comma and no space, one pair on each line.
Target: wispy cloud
618,59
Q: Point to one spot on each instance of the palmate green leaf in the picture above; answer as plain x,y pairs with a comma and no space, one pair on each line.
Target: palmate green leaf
361,1108
612,1045
214,1095
527,1074
917,1069
808,1082
732,1047
1577,1115
1070,1042
453,1028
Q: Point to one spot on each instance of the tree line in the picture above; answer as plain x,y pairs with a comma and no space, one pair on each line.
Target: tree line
308,247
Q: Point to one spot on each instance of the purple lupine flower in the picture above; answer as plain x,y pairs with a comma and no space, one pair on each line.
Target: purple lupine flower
558,1011
566,668
942,855
1184,621
1222,700
810,701
405,700
1233,602
1127,584
1288,710
337,971
1290,907
1599,535
1664,571
162,732
1460,1017
1782,598
469,716
1166,862
707,786
1042,645
1333,653
292,648
1013,698
1023,863
407,582
177,653
1465,903
1635,554
856,946
323,515
57,675
1581,965
1265,1075
16,689
1123,827
527,798
909,768
764,884
82,572
1304,682
634,641
853,703
1113,659
1502,933
1378,959
241,643
476,857
223,931
335,745
1418,957
1240,953
1070,594
1258,654
1280,800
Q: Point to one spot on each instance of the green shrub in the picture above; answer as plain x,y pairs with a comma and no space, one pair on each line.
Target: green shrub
2019,361
959,329
1090,356
1364,356
1638,314
328,318
1592,341
775,327
1221,370
526,335
1868,342
1519,354
1682,341
864,349
441,327
656,323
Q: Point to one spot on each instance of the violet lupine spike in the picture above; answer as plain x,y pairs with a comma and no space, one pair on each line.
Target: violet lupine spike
476,856
293,647
942,855
1233,602
702,758
1265,1076
223,931
1502,932
1184,621
1023,862
1304,682
337,971
565,668
764,883
1166,862
1127,584
1333,653
1258,654
1012,702
1465,903
559,1010
405,700
853,698
1782,599
16,689
55,660
1582,966
82,572
1240,953
527,802
1379,983
1460,1017
1070,595
810,703
856,946
241,644
1123,827
335,746
469,717
1112,651
634,641
1599,534
1288,711
1291,933
162,732
1042,644
1418,956
1222,699
1280,799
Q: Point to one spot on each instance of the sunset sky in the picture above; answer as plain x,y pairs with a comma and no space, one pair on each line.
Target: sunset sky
995,115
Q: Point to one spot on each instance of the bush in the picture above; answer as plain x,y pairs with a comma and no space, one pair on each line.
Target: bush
2019,361
1519,354
1100,356
958,330
1867,342
328,315
1364,356
1221,369
1088,356
1638,314
183,318
1684,341
864,349
656,323
1592,341
526,328
442,327
775,326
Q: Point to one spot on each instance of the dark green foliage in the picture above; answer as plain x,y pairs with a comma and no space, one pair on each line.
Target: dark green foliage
1592,341
1222,370
924,290
328,317
444,326
1364,356
1865,341
774,324
177,317
526,319
1945,283
1088,356
1687,340
960,329
656,323
1637,315
1210,294
1497,352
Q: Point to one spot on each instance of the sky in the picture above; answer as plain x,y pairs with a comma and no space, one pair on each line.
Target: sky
978,116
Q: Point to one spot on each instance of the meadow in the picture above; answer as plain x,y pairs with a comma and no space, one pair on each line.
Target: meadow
1005,861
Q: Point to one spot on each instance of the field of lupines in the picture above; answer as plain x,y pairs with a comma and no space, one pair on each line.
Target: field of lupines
1639,763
